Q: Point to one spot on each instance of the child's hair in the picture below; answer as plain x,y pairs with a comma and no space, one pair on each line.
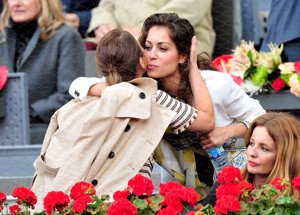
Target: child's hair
117,56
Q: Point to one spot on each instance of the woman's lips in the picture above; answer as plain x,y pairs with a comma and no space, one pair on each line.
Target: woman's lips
253,164
151,67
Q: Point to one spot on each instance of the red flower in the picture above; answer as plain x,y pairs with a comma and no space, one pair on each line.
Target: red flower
279,183
169,187
297,66
121,194
81,202
245,187
221,63
168,211
14,209
2,198
25,196
278,84
56,200
82,188
296,181
227,204
228,189
122,207
3,76
141,185
229,175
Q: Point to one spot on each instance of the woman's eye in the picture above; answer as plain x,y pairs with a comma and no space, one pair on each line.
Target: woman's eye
147,48
163,49
251,143
265,149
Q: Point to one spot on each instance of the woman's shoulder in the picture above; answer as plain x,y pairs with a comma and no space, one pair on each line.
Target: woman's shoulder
66,30
217,79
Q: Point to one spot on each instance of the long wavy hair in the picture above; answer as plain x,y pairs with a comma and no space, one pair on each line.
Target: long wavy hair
49,19
181,32
284,129
117,56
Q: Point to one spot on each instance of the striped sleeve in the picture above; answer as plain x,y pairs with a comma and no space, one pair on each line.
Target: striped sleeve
147,167
185,116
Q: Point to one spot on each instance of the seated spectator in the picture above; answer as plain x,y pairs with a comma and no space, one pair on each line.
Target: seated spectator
36,41
78,13
130,15
273,148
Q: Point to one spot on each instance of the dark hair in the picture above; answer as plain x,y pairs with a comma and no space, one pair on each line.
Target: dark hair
117,56
181,32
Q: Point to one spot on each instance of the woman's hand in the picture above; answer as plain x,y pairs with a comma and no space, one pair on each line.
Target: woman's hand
205,121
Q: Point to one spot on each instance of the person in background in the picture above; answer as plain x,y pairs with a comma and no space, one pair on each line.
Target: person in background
78,13
129,15
283,28
273,148
119,132
36,40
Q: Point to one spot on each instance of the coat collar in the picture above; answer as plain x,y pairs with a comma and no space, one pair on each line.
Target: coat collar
134,106
147,84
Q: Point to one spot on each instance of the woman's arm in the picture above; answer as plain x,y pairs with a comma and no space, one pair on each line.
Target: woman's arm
205,121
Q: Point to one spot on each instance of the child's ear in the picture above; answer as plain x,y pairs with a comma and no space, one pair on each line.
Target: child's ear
142,63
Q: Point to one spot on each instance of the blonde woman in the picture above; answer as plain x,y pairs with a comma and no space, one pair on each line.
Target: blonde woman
34,39
273,148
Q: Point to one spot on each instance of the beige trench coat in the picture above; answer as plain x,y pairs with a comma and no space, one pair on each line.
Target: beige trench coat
104,141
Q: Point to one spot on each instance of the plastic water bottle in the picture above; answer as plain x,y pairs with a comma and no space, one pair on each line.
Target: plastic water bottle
218,158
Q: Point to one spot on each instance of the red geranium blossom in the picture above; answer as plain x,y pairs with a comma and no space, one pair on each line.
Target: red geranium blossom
141,185
227,204
14,209
2,200
122,207
121,194
229,175
81,202
278,84
228,189
280,183
25,196
82,188
296,181
168,211
56,200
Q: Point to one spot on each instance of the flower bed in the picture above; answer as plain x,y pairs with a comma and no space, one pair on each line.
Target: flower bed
234,196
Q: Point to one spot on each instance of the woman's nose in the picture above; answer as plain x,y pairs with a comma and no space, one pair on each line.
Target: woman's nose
252,151
152,54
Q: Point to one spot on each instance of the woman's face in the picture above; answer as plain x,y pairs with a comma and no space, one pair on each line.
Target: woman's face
261,152
162,53
23,10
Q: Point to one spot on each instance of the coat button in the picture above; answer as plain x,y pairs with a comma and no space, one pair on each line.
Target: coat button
142,95
94,182
111,155
127,128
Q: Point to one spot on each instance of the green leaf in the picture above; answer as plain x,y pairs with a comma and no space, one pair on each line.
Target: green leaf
259,77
